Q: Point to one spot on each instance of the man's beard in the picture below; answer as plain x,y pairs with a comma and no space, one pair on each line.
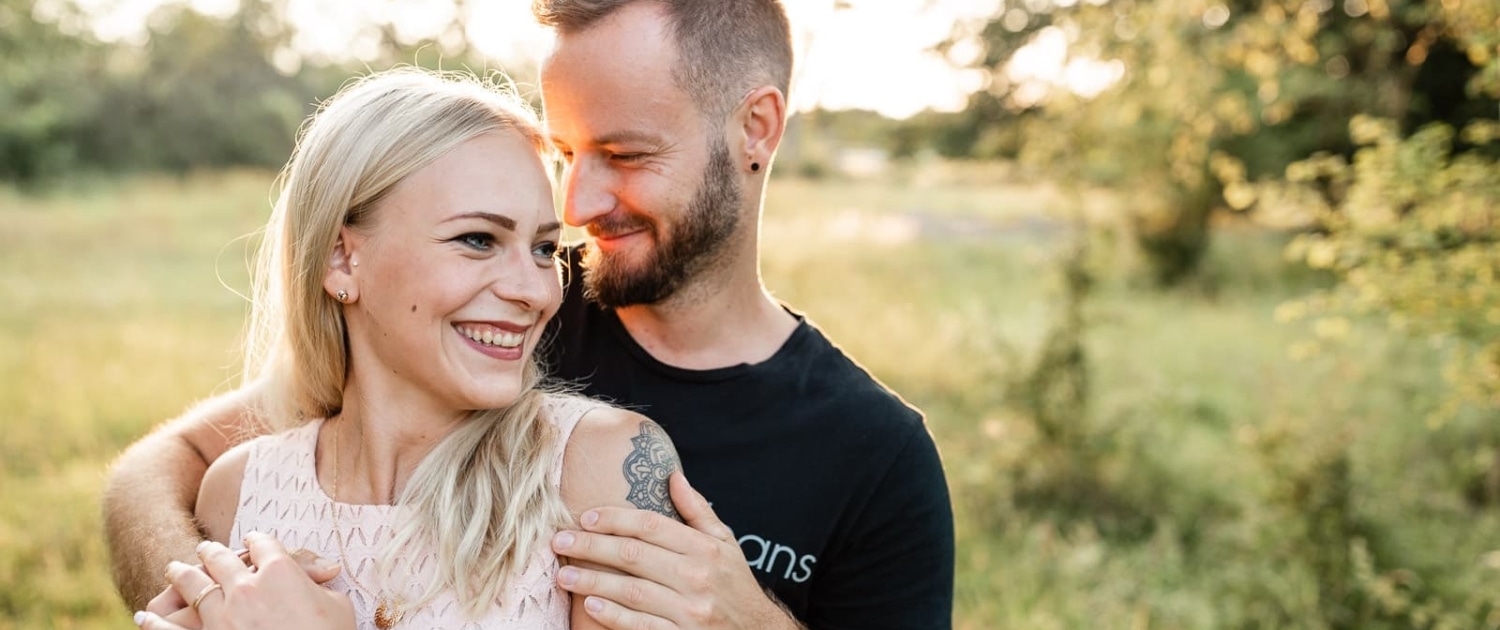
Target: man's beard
688,247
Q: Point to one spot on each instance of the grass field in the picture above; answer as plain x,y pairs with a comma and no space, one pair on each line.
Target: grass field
1221,472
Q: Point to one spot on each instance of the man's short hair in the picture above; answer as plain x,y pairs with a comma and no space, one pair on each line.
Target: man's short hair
725,48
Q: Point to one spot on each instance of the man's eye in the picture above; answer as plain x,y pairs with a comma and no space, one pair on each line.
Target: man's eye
627,157
476,240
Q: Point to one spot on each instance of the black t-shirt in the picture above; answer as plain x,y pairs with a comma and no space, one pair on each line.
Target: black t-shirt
831,482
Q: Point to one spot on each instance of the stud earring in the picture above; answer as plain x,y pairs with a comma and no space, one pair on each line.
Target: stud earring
354,262
342,295
755,167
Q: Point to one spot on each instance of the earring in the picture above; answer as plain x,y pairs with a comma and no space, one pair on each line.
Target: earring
755,167
354,263
342,295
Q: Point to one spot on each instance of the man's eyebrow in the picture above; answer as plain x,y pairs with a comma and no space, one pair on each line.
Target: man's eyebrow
498,219
628,137
614,138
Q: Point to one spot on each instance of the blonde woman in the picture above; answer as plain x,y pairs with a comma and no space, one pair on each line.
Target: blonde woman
405,281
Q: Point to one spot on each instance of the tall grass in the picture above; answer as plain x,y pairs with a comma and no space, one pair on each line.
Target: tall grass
1228,483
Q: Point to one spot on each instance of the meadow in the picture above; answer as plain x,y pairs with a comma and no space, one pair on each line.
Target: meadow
1166,459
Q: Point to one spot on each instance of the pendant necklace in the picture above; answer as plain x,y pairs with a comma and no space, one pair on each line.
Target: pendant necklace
388,611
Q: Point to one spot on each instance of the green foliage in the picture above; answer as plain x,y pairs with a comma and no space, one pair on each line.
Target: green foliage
1408,229
202,92
46,91
1413,232
1215,95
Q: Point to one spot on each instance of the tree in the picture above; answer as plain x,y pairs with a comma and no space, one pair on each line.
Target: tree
45,81
1213,95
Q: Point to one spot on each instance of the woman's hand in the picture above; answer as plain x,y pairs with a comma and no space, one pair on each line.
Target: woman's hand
276,594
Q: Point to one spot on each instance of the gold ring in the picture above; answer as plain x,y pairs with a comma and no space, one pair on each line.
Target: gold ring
204,593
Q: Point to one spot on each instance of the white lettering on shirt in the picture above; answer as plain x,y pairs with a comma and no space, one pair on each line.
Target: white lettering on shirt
768,556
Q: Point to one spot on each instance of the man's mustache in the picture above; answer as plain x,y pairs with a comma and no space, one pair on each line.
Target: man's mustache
611,226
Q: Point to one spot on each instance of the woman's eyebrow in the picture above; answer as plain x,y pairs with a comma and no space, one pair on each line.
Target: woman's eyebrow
503,221
498,219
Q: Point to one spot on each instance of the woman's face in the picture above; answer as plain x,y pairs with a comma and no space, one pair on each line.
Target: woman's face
455,277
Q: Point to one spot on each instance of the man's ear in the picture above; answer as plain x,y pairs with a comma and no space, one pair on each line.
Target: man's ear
341,280
762,121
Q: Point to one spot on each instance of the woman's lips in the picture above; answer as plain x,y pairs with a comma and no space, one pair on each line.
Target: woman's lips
501,340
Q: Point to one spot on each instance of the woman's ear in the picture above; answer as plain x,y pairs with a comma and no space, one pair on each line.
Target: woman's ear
342,279
762,121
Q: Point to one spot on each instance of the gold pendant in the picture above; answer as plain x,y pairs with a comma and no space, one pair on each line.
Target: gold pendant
387,613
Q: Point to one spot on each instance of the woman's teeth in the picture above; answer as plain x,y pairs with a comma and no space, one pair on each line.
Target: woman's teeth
491,337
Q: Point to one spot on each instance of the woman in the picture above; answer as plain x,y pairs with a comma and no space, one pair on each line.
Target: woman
407,276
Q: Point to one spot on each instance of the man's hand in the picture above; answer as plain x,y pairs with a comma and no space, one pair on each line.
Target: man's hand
691,576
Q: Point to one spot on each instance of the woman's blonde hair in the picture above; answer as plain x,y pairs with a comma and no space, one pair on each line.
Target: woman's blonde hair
483,498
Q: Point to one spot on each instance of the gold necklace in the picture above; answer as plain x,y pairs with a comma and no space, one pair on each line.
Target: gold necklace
388,611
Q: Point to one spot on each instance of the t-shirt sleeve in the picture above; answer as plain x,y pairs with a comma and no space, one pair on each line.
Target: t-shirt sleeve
897,569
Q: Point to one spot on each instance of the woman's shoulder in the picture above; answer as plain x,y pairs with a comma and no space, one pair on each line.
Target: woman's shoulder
219,494
617,457
287,444
591,424
565,408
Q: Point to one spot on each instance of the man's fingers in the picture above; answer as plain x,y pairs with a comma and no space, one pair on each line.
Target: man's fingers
631,592
645,525
629,555
187,618
695,509
320,569
170,605
166,602
153,621
617,617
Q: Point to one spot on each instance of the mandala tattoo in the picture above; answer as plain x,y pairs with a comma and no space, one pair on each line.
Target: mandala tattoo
647,467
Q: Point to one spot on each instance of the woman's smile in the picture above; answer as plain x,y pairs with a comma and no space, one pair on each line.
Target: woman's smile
501,340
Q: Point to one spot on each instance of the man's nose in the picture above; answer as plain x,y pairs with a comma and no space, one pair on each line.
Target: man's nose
586,192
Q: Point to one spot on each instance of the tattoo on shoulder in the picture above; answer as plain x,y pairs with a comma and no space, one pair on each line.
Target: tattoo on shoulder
647,467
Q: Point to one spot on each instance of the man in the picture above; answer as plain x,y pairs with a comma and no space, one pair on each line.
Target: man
668,114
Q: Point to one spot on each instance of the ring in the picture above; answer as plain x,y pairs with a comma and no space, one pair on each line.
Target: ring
204,593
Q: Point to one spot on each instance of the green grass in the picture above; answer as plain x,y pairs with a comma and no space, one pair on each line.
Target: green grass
1210,445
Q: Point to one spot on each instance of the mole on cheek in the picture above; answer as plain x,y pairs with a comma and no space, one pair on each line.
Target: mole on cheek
414,308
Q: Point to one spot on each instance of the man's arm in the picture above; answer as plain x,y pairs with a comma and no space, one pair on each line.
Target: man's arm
148,502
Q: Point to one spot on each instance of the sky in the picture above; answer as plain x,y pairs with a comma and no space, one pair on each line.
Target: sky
867,54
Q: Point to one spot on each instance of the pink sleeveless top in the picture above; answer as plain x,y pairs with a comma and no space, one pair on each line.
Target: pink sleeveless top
280,496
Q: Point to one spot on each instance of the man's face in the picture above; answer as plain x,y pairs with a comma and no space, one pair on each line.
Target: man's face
649,179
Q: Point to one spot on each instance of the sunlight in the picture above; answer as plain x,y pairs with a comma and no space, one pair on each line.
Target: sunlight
1042,65
878,54
866,54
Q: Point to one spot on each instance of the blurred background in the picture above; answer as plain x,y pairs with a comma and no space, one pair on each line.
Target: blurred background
1200,296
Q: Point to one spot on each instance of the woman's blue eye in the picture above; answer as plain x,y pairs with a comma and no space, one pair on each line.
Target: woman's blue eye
547,250
477,240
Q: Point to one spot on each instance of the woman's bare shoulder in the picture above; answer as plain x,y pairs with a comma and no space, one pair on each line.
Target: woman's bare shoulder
219,496
617,457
